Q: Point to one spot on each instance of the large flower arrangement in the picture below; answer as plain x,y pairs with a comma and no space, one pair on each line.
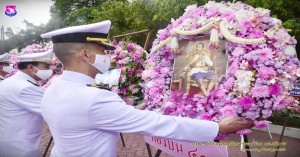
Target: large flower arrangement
262,64
129,57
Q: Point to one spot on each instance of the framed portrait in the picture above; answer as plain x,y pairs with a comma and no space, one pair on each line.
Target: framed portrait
198,68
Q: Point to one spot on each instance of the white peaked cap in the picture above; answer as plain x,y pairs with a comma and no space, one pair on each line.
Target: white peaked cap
4,58
96,33
44,57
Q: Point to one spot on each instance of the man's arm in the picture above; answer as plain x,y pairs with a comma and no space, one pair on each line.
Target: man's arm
30,99
112,114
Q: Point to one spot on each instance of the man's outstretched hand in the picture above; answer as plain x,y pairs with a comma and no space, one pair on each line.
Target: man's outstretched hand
234,124
141,106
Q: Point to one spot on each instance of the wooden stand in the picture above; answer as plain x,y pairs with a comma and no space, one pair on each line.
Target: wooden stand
157,154
247,146
48,146
282,132
138,32
123,142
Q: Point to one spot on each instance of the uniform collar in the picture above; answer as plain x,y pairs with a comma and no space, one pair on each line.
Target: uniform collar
77,77
25,76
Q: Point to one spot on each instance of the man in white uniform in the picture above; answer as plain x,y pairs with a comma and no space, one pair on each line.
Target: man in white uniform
20,107
5,67
85,121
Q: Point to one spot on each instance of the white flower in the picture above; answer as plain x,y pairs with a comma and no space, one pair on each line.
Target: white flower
272,81
146,74
190,8
186,24
169,103
244,65
150,84
298,72
244,78
290,50
286,75
243,15
202,20
135,90
210,4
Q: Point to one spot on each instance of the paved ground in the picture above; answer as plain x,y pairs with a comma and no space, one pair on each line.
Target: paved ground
135,146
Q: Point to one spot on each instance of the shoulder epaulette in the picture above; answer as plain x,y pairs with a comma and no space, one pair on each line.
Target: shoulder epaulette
34,83
100,86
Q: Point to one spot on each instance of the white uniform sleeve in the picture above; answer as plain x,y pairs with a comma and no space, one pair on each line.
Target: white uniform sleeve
112,114
30,99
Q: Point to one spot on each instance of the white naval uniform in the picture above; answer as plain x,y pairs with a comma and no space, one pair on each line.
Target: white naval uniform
1,78
20,116
86,121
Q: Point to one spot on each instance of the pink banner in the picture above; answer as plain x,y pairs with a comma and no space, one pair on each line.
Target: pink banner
187,149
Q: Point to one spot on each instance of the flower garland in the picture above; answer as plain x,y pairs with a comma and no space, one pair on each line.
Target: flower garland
129,57
261,57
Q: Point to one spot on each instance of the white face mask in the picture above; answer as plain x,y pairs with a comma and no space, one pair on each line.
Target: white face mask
102,62
8,69
44,74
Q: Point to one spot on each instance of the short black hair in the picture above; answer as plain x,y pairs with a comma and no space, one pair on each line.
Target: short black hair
4,64
23,65
65,51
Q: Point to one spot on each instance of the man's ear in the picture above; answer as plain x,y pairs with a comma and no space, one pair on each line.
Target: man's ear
31,68
85,55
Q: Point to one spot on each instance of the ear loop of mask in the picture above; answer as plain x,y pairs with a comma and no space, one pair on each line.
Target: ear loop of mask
88,56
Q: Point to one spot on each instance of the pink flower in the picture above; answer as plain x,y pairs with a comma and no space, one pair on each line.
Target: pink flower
165,70
266,72
290,100
279,103
275,89
122,78
132,87
238,51
220,93
115,89
205,116
153,91
228,111
214,11
245,24
198,11
262,124
163,34
121,55
130,47
244,132
228,15
246,102
260,91
123,69
265,54
234,66
229,83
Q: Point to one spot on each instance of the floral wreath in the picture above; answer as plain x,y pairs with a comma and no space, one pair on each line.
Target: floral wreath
261,58
129,57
